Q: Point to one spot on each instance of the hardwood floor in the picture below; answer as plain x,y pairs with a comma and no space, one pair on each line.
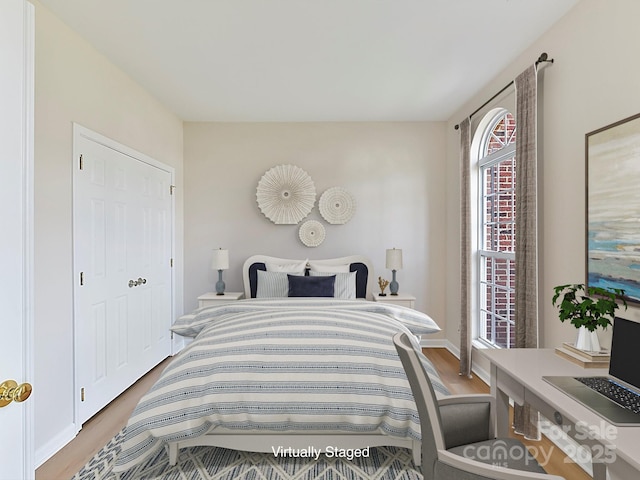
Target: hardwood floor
110,420
97,431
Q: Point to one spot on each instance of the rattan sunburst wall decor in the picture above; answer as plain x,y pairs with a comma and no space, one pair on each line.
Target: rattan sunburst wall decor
286,194
337,205
312,233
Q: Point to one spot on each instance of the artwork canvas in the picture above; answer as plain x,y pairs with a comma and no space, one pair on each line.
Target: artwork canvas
613,207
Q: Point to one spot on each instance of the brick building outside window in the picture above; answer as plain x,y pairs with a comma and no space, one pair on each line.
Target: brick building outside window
496,235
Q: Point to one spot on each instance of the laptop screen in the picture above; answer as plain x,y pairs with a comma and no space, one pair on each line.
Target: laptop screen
625,351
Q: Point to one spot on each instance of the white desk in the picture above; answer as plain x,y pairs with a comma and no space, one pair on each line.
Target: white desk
517,374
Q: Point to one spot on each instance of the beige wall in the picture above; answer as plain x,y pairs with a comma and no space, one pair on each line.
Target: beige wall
395,172
593,82
74,83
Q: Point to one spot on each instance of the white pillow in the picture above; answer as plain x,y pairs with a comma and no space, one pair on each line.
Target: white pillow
293,268
345,285
273,284
321,267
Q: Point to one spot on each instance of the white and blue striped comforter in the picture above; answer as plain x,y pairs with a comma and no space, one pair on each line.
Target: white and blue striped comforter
282,366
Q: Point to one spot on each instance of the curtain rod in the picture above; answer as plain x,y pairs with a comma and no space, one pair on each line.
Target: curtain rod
541,59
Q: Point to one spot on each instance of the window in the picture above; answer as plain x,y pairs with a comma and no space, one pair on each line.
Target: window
496,230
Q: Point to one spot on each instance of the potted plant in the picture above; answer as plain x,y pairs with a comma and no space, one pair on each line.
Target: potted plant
587,308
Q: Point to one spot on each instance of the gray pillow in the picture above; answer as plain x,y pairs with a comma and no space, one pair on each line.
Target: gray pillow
272,284
345,286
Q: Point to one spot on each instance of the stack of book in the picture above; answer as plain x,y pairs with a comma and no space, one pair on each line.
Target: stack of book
582,357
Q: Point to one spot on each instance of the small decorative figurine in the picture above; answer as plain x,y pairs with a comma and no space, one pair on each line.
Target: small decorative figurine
382,283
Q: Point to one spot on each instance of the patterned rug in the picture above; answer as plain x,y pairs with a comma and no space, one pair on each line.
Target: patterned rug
210,463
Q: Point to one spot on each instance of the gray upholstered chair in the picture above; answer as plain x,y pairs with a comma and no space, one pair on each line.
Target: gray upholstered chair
457,431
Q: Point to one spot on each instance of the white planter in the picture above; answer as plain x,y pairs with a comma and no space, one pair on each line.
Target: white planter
586,340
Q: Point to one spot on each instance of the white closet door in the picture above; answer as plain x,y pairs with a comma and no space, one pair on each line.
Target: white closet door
155,257
122,253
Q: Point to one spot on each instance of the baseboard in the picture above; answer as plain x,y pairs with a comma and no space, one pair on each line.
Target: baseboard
481,372
54,445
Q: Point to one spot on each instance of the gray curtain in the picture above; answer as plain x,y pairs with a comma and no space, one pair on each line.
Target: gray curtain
465,248
526,263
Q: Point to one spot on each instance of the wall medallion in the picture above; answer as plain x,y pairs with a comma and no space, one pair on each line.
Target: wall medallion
286,194
337,206
311,233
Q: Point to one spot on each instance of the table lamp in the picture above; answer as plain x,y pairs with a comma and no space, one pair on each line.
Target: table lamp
220,263
394,262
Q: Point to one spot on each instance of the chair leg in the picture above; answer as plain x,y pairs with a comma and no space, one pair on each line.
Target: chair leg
417,453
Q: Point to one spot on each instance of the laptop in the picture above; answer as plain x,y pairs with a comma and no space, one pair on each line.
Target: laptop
623,378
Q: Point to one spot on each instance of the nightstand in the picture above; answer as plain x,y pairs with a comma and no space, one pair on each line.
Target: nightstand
402,299
212,298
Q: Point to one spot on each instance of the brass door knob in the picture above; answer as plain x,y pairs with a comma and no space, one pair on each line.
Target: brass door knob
10,391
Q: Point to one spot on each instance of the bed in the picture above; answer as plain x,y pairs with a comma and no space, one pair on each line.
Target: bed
296,373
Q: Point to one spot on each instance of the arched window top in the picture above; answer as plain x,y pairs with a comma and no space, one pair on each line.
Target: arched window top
501,133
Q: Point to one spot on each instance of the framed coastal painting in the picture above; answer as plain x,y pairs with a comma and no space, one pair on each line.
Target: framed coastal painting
613,207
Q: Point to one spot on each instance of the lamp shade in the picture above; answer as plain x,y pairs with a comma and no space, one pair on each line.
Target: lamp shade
394,259
220,259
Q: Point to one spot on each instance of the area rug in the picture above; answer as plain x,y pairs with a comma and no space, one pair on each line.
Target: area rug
210,463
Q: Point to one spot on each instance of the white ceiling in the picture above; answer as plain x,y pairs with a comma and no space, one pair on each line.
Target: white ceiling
311,60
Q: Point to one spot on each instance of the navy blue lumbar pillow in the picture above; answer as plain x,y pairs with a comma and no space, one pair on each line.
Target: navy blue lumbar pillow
300,286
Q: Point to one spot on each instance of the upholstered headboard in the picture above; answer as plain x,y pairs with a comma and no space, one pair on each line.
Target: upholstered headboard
356,263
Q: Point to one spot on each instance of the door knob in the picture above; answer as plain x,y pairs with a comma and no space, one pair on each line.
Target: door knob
10,391
135,283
